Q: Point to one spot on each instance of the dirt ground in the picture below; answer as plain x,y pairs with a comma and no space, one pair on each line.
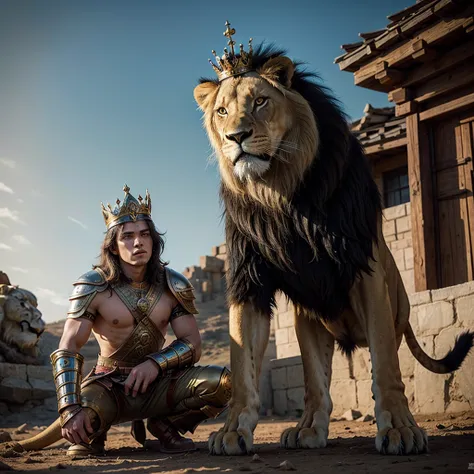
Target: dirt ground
351,450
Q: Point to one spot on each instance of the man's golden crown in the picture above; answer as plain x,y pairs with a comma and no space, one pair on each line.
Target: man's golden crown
231,64
131,209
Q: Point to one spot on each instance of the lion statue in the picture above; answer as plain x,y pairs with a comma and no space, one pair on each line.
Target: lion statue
303,216
21,325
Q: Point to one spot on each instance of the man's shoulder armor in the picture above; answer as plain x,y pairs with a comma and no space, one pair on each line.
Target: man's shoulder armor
85,288
181,289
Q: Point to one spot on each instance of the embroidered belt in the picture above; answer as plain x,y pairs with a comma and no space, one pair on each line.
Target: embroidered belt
106,364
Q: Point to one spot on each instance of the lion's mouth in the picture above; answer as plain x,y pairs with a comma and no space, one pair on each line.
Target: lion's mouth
244,156
25,326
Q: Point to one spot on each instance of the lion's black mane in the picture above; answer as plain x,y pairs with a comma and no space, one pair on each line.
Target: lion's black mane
338,204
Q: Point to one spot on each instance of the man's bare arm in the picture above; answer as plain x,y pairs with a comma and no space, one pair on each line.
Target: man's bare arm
75,334
185,327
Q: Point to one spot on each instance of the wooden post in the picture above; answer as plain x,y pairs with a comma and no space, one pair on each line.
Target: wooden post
421,198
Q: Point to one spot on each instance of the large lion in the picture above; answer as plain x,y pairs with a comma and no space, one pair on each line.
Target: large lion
303,216
21,325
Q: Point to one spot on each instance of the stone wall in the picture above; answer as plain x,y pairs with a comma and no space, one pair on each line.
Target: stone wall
23,387
437,317
208,278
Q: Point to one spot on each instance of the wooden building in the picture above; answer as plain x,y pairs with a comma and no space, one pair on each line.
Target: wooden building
424,61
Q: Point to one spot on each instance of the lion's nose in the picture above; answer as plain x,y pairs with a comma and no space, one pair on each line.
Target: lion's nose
239,137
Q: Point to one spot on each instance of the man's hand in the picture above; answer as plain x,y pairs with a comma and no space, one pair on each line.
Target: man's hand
141,376
75,429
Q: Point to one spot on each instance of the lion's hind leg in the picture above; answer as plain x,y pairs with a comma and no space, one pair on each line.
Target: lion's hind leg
317,348
398,432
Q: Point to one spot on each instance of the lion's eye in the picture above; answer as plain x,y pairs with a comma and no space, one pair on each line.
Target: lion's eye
260,101
222,111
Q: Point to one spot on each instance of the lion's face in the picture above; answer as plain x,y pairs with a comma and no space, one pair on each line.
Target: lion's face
22,324
262,131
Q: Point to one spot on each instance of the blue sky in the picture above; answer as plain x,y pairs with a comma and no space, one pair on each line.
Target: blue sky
97,94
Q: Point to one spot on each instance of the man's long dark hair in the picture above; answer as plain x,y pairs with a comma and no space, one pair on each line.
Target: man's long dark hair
110,263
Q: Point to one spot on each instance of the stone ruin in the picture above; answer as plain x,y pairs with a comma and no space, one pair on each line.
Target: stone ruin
208,278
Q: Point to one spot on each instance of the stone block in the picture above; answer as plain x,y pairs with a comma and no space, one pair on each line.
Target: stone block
406,360
361,364
343,395
403,224
390,238
51,404
215,250
42,389
408,278
12,370
414,318
452,292
281,336
465,311
340,366
435,316
461,387
394,212
408,257
399,257
295,376
388,228
365,402
399,244
279,378
40,372
15,389
408,208
223,249
206,286
295,400
287,362
409,383
422,297
211,264
218,284
429,391
280,402
292,335
286,319
288,350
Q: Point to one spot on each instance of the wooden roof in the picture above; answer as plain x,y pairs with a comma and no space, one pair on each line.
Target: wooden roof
412,36
379,130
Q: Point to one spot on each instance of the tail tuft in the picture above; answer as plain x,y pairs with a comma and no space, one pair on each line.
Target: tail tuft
455,357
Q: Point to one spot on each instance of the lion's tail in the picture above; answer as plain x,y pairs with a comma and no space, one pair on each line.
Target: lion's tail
47,437
450,362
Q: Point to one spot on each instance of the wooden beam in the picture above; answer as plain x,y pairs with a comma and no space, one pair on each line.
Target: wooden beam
353,60
403,53
421,51
444,63
400,95
406,108
401,142
443,109
445,83
421,199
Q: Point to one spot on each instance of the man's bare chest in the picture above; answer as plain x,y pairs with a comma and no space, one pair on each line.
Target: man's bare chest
116,313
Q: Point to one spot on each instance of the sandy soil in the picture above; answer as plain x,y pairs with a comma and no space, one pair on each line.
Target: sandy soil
350,450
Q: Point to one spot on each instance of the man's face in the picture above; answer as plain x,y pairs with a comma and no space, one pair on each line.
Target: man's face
134,244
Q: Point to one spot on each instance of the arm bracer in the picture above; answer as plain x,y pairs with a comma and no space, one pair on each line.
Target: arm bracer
178,355
67,373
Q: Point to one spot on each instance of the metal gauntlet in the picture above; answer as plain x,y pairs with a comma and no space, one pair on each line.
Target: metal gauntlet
178,355
67,373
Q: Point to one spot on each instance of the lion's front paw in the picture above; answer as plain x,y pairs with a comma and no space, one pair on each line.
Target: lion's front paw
308,438
236,437
408,438
231,443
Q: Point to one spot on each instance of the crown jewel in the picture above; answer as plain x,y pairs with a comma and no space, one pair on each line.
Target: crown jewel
131,209
232,64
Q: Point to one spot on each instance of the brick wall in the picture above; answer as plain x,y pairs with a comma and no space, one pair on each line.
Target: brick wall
437,317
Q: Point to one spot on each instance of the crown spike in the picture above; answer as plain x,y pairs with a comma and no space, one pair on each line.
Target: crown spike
232,63
131,209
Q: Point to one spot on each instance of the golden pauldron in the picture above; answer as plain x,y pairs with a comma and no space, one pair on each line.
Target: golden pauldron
178,355
67,373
